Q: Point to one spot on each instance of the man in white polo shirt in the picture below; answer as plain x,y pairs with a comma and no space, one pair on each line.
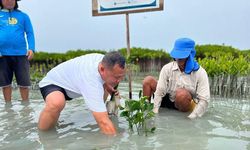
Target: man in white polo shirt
88,76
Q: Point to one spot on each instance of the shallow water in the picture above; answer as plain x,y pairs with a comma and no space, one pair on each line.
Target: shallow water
226,125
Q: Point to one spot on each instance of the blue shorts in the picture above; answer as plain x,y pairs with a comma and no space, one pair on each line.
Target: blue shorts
46,90
18,65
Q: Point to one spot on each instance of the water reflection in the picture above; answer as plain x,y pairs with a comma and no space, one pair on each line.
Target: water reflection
16,124
230,121
176,131
75,138
226,125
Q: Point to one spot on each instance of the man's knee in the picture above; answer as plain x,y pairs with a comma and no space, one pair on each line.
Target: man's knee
55,101
183,99
150,81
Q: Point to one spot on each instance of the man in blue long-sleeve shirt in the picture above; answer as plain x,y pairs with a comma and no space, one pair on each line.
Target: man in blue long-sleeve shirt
17,46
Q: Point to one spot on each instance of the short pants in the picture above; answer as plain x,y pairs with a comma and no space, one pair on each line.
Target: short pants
167,103
46,90
18,65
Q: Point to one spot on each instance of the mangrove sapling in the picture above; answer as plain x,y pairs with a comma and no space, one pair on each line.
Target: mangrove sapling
137,113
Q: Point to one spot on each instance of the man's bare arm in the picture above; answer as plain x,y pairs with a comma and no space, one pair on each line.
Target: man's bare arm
105,124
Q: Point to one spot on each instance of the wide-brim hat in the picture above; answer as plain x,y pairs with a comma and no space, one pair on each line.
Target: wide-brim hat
182,48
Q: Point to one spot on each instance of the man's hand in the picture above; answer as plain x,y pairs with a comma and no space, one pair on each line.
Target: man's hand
30,54
193,115
109,88
199,109
105,124
156,110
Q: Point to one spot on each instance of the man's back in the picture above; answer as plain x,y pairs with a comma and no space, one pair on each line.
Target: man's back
79,77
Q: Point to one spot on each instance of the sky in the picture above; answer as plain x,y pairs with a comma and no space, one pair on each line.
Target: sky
62,25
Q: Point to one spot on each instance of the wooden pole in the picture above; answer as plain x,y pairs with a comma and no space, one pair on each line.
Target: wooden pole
128,55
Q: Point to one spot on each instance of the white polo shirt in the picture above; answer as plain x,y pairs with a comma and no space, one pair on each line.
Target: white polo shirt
80,77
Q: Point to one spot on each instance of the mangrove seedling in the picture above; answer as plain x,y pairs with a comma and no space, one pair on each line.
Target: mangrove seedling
137,113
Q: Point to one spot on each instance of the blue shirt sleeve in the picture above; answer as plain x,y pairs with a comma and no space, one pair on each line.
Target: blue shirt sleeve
29,33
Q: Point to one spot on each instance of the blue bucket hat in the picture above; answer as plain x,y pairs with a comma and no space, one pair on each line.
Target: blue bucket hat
184,48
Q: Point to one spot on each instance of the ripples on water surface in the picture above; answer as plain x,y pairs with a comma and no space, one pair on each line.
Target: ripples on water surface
226,125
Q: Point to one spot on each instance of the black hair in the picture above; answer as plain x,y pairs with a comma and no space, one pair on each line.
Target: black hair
15,8
112,58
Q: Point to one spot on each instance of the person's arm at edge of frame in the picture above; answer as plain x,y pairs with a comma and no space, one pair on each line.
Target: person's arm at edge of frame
161,89
203,96
105,124
30,37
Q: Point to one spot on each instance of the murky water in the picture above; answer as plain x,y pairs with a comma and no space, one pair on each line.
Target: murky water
226,125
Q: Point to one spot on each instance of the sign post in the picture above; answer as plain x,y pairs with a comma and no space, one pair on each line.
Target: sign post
112,7
128,55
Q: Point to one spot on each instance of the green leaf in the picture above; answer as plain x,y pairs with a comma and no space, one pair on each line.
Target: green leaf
124,114
121,108
153,129
135,106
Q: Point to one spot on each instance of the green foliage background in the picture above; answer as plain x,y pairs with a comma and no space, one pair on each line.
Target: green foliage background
216,59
